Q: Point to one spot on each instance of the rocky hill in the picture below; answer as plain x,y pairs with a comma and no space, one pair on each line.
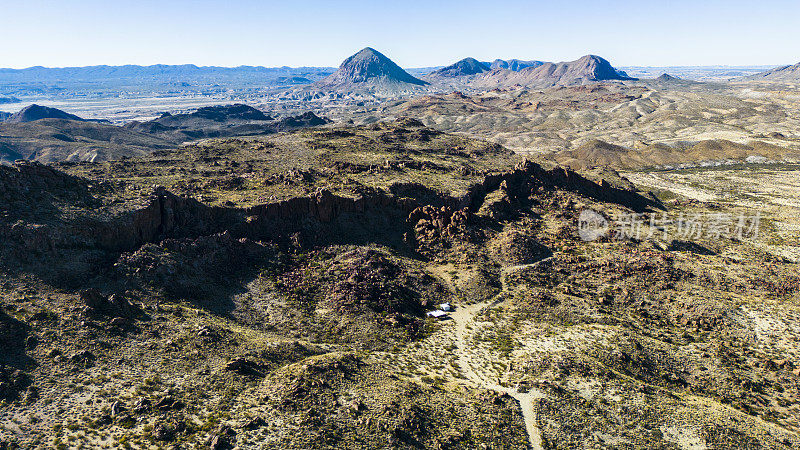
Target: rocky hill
35,112
221,121
785,74
51,140
368,66
707,152
587,69
465,67
666,78
366,74
222,113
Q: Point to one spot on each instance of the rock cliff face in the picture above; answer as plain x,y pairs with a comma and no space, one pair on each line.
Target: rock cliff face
323,218
167,215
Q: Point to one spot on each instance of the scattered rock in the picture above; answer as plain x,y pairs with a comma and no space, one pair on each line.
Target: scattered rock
83,358
93,298
167,403
255,423
142,405
439,226
222,439
116,304
243,366
119,322
163,432
12,383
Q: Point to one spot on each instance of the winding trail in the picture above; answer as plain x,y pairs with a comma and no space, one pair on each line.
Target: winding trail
509,269
477,369
527,400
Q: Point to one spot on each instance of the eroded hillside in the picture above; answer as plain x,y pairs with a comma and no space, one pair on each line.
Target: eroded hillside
624,125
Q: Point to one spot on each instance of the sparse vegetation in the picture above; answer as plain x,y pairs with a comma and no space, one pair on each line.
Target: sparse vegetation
272,292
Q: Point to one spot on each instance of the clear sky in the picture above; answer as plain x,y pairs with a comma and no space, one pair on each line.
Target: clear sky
413,33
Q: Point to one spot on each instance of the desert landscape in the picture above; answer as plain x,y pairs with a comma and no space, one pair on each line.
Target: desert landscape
489,253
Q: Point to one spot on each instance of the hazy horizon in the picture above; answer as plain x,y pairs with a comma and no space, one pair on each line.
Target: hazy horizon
415,34
757,66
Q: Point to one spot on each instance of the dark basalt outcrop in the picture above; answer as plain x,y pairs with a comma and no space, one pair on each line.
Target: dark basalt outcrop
170,216
83,245
219,113
307,119
222,121
467,66
13,334
191,267
37,112
13,383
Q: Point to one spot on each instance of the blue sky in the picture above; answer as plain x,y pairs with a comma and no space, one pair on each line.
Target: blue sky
413,33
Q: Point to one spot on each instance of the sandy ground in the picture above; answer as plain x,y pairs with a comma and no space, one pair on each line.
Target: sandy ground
462,318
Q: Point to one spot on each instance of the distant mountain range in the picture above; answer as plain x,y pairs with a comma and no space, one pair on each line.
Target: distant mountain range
367,70
180,80
99,81
39,73
370,72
